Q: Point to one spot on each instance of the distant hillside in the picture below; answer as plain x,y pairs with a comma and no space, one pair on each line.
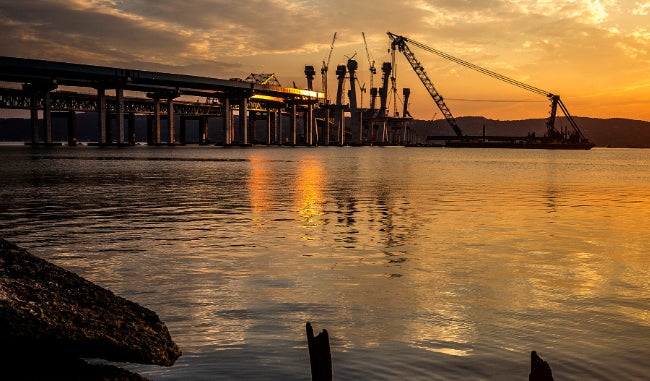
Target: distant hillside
603,132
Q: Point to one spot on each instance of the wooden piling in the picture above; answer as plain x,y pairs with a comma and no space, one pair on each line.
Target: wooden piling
539,369
320,356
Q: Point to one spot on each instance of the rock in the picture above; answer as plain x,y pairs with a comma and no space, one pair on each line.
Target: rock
49,312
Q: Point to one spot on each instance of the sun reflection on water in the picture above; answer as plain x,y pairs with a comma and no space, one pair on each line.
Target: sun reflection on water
309,195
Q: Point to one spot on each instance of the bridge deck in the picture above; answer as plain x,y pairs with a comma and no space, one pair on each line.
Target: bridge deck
22,70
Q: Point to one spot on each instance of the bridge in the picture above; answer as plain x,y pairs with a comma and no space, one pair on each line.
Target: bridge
156,94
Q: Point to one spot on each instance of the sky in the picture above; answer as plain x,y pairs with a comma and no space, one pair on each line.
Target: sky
595,54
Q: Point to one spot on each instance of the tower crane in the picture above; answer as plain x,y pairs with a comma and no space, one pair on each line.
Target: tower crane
323,70
399,42
371,62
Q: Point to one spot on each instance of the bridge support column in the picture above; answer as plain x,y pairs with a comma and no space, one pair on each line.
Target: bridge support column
101,116
33,112
268,126
109,129
38,91
274,135
293,121
203,130
171,117
326,128
183,130
341,126
150,130
153,122
131,129
156,122
355,119
47,116
227,122
310,125
279,139
119,114
243,121
72,128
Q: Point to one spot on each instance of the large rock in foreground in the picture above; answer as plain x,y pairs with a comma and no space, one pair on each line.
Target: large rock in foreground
46,310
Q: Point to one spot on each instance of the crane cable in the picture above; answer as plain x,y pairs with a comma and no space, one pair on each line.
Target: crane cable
474,67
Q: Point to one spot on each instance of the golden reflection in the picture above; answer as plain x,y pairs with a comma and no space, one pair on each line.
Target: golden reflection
259,185
309,195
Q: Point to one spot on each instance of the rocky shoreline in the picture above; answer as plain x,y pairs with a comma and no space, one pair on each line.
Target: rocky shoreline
51,319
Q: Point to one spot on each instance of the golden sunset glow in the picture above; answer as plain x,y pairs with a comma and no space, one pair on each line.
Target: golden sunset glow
593,53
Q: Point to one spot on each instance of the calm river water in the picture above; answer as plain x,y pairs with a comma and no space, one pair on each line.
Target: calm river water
422,263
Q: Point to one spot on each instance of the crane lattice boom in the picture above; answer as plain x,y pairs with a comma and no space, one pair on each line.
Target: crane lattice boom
371,62
326,63
400,43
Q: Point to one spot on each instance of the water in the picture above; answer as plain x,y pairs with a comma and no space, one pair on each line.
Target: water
422,263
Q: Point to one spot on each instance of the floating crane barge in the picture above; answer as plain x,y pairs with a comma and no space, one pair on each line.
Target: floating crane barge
552,139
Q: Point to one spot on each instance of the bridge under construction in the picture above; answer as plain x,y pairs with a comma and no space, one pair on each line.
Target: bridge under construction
241,103
155,94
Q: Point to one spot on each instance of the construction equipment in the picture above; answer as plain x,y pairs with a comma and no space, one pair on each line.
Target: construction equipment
552,133
399,43
371,62
323,70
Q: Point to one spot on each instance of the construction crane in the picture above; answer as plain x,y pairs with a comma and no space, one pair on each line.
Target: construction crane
399,42
323,70
371,62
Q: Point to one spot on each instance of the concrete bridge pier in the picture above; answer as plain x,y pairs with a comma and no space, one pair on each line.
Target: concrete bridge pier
109,129
155,130
47,116
243,121
183,130
293,121
171,117
119,114
309,121
279,130
71,119
227,122
101,116
131,128
268,126
33,112
203,130
37,92
153,122
326,129
72,128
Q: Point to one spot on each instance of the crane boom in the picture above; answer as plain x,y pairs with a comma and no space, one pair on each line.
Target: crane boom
371,62
555,99
323,70
399,42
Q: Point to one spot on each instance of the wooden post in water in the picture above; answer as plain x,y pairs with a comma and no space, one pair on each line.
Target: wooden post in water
539,369
320,356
